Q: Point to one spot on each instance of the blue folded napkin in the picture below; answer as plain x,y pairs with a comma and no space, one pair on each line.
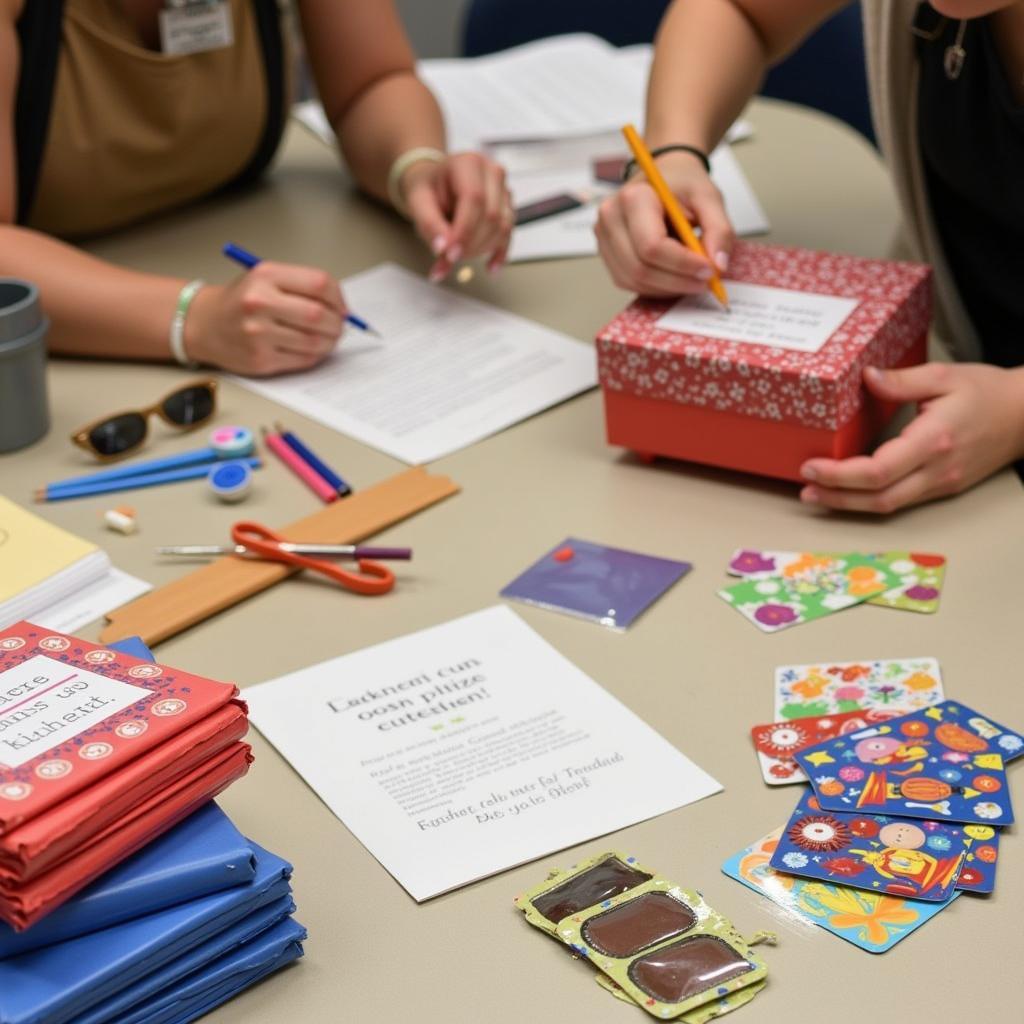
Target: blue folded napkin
57,983
202,855
228,976
128,1000
134,646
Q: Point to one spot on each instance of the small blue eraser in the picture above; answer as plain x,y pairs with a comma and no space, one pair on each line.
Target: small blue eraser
232,442
230,481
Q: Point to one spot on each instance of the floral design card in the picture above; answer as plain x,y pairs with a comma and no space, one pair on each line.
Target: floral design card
873,921
900,685
820,589
896,856
921,575
776,743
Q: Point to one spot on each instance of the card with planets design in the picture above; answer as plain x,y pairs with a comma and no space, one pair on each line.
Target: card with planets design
822,589
876,852
899,685
872,921
610,586
921,575
944,762
776,743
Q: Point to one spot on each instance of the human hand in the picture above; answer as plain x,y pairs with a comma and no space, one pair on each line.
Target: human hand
970,424
634,241
277,318
460,208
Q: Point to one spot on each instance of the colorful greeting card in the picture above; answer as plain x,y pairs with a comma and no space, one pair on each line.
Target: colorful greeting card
900,685
874,921
606,585
945,761
979,871
821,589
920,575
895,856
776,743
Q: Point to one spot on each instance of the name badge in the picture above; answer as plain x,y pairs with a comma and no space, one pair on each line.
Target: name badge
195,27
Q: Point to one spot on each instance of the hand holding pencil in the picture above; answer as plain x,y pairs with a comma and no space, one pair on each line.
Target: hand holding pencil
635,241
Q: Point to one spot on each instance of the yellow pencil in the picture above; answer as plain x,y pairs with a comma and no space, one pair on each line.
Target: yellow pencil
675,213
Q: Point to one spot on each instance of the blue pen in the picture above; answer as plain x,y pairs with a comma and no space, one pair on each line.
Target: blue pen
249,260
310,459
241,444
131,483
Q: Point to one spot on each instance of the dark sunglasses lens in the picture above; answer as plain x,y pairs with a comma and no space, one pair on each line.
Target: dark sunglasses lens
189,406
118,434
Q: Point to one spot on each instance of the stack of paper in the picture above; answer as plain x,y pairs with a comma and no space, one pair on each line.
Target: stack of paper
100,753
53,577
176,930
451,371
552,103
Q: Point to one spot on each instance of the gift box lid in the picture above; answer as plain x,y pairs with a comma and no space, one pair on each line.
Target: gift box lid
819,389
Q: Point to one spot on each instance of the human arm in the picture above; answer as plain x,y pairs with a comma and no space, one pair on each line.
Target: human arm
267,322
970,424
710,56
365,72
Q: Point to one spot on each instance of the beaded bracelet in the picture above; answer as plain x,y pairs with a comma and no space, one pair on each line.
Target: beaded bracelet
185,297
402,163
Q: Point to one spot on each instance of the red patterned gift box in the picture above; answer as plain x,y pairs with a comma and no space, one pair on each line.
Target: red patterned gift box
757,407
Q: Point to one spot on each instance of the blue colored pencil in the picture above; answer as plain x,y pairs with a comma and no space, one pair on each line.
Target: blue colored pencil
199,457
131,483
316,464
249,260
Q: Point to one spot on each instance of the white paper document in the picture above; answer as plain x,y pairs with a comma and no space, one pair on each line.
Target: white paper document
91,602
448,371
572,233
547,89
760,315
469,748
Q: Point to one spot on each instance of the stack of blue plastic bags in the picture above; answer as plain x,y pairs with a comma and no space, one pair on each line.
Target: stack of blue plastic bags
179,928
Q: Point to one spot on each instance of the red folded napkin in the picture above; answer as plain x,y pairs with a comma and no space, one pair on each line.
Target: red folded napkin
22,904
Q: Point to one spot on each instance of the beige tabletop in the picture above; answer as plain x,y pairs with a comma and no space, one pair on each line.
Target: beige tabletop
691,667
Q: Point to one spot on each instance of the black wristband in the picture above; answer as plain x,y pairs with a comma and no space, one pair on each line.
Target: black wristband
678,147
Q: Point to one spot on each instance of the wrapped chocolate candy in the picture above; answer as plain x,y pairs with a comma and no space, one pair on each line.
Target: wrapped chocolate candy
658,945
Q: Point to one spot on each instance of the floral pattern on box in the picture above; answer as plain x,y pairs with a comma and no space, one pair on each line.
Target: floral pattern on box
822,389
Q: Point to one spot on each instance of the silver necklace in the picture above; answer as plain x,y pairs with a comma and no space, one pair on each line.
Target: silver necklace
953,59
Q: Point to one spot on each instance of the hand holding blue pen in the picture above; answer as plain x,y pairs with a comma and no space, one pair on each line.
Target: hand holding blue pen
249,260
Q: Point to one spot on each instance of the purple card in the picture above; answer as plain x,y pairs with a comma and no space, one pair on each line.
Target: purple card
606,585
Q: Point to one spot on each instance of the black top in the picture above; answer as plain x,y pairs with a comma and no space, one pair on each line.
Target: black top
39,38
972,144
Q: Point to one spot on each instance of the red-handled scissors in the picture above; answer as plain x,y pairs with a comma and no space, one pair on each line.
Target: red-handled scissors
372,578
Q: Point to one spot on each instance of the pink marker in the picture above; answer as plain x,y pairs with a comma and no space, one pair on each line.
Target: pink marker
309,476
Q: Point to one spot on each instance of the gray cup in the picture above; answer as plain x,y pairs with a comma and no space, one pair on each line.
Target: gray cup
24,410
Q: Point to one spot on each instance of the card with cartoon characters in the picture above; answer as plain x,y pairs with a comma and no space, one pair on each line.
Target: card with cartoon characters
944,762
917,859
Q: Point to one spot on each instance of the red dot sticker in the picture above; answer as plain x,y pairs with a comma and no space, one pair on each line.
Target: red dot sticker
563,554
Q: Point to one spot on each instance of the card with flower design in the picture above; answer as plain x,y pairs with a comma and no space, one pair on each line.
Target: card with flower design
921,575
896,856
945,761
776,603
873,921
776,743
900,685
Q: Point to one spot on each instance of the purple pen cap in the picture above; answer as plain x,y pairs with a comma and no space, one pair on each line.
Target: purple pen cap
385,554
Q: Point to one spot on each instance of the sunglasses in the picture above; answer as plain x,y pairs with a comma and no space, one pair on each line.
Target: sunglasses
113,436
